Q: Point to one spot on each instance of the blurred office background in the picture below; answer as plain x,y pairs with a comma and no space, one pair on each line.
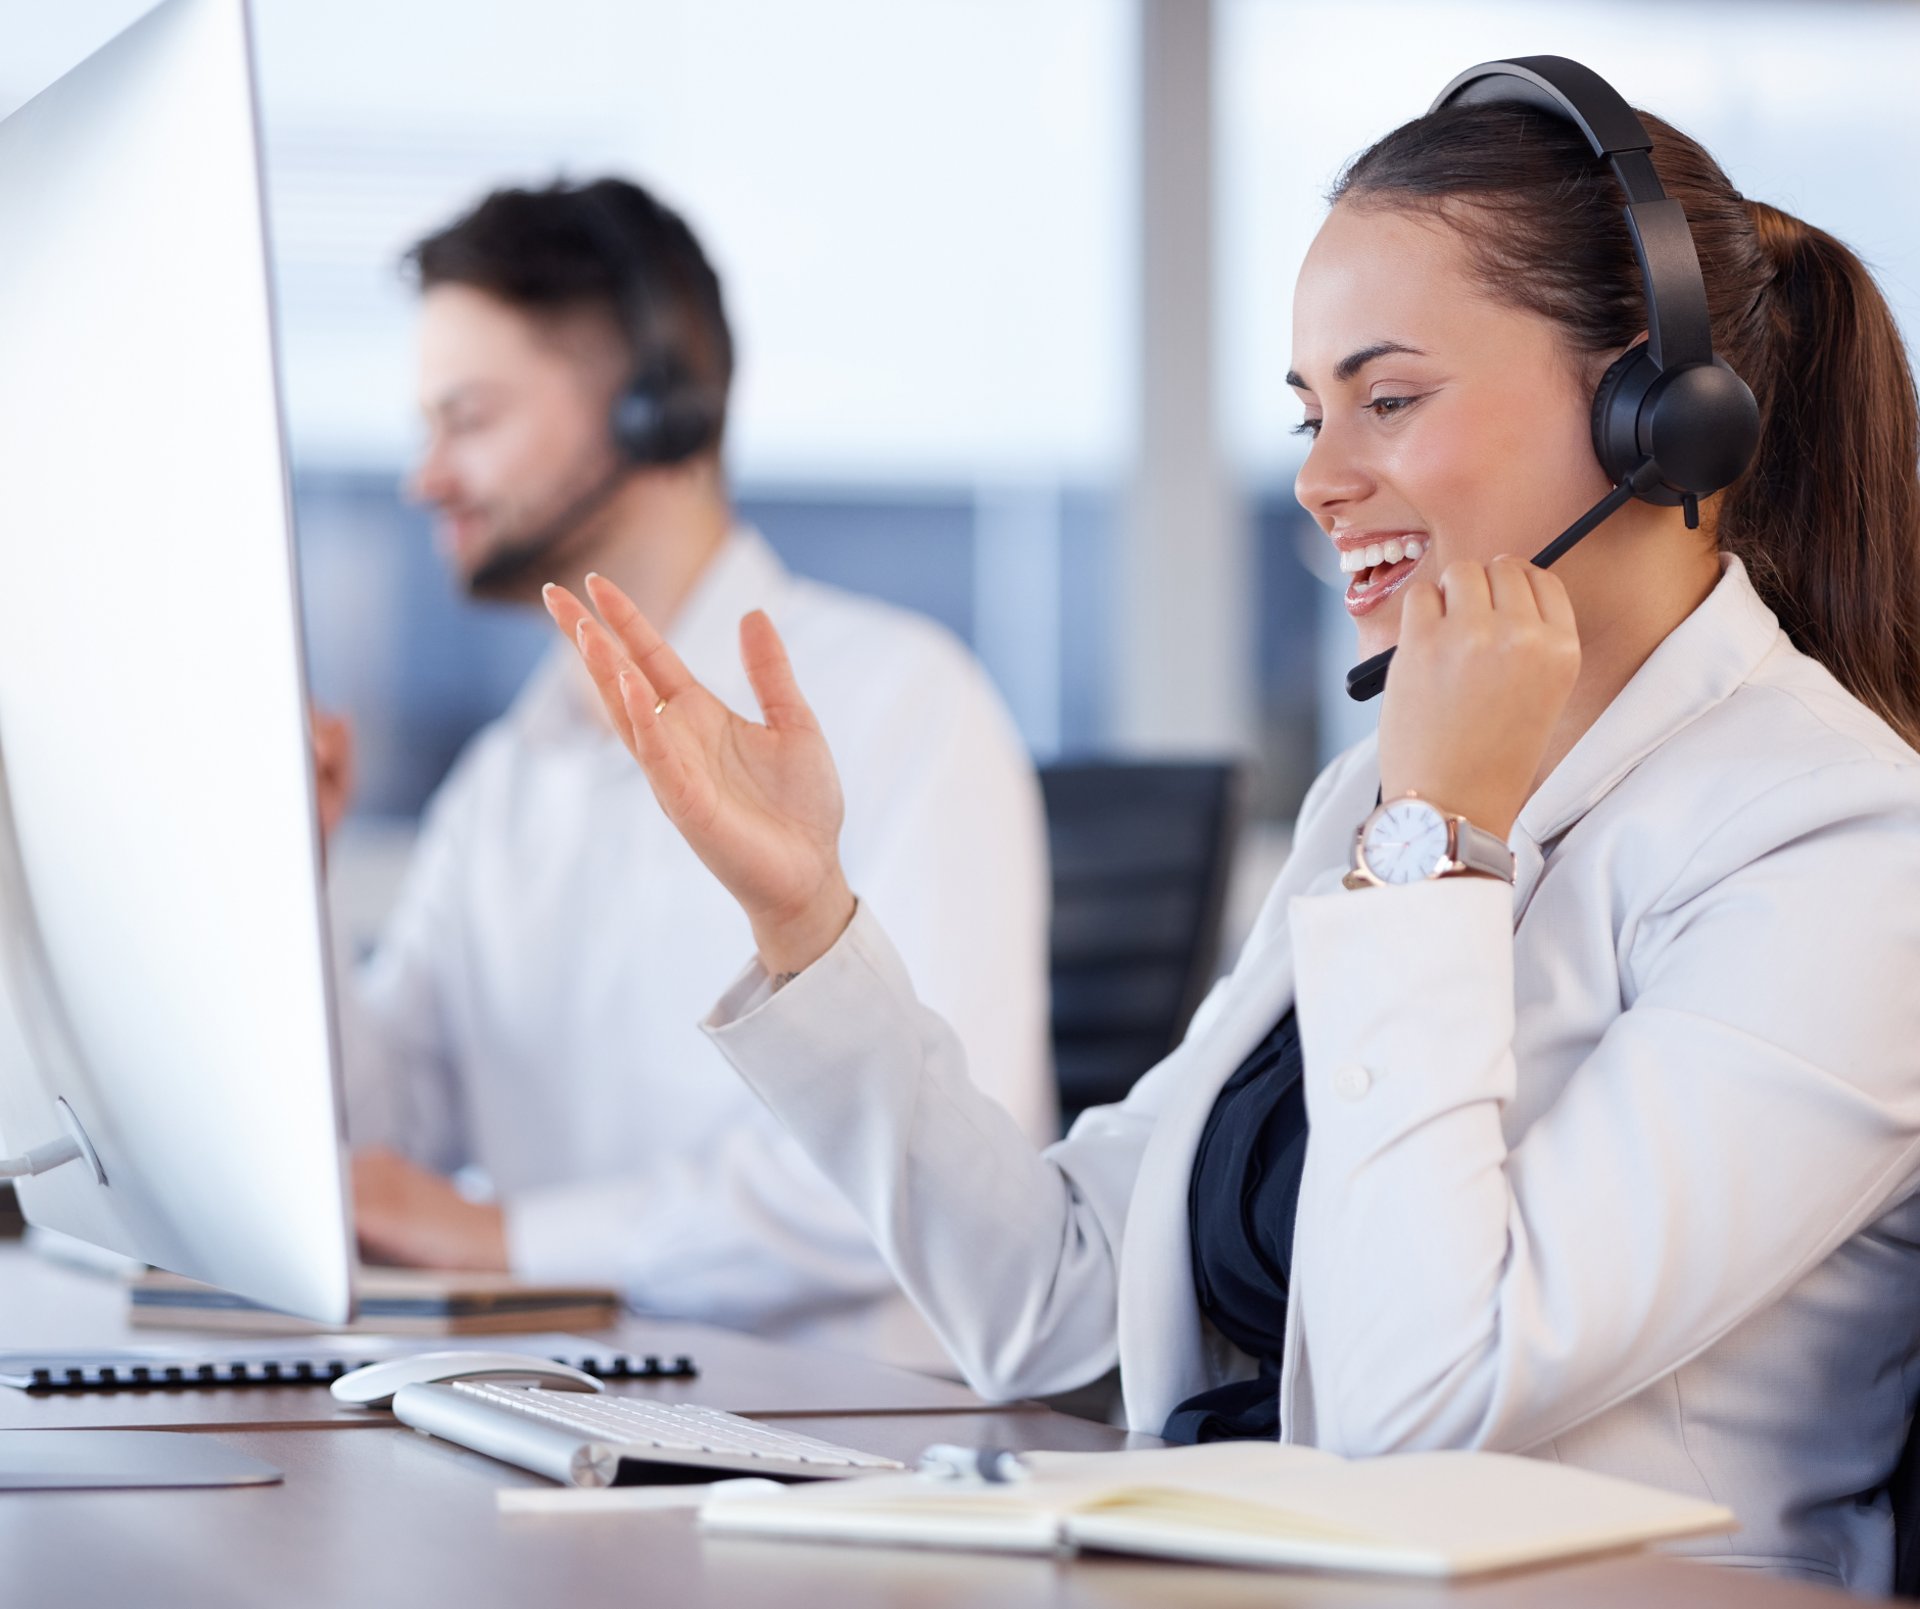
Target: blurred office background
1011,280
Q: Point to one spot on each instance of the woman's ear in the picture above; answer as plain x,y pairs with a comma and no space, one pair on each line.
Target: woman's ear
1597,363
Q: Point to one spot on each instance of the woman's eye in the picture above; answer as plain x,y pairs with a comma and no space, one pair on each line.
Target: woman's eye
1379,407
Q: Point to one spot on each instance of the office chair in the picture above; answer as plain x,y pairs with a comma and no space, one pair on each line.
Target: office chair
1905,1491
1141,856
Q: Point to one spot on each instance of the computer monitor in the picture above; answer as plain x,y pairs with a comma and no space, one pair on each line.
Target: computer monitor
167,1052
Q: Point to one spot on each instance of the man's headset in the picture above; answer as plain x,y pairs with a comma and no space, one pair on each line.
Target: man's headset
1671,422
663,414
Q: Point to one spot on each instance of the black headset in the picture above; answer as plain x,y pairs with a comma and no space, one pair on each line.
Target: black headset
1668,403
1671,422
664,414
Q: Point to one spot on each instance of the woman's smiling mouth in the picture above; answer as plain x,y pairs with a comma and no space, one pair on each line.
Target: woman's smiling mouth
1378,565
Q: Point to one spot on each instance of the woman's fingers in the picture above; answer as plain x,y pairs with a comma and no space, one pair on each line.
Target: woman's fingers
1550,594
649,649
770,674
1512,592
629,698
1421,611
1465,588
598,652
653,746
1420,600
567,610
606,663
631,702
1526,595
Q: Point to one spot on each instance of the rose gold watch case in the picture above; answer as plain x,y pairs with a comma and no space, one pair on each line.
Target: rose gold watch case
1361,875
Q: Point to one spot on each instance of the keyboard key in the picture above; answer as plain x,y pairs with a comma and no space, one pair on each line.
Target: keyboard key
665,1428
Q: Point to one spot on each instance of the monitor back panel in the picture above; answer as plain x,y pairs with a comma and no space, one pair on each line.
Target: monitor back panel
165,945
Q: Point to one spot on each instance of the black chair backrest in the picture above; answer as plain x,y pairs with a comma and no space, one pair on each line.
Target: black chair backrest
1905,1491
1141,856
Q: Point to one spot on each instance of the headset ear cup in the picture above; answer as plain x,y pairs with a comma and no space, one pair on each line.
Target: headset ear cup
665,417
1701,426
1698,423
636,423
1616,411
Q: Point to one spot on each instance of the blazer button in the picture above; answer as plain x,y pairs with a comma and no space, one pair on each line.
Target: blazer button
1352,1082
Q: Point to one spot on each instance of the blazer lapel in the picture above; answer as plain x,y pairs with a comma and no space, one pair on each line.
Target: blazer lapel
1702,661
1163,1350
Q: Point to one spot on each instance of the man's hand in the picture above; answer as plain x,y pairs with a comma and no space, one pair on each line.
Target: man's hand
332,769
405,1214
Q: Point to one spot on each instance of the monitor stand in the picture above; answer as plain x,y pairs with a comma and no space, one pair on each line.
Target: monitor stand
56,1460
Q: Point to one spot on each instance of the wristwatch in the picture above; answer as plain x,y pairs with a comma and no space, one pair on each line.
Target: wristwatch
1409,840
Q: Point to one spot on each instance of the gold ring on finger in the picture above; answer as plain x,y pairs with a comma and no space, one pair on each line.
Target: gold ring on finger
660,708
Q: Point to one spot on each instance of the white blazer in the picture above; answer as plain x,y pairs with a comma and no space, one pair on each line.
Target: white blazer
1617,1166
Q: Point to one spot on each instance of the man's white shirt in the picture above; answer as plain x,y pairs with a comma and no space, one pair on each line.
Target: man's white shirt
533,1007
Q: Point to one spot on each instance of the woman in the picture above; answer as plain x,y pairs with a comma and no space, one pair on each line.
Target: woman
1614,1163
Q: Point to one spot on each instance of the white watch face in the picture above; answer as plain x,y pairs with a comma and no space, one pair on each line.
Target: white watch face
1406,842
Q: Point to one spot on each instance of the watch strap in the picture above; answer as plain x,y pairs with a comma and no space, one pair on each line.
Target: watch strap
1478,850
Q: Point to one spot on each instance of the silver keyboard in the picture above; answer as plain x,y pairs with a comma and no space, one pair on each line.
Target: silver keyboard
586,1439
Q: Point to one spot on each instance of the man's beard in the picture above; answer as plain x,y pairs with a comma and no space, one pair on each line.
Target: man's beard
517,568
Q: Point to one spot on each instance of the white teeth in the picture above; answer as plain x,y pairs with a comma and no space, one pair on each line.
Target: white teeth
1391,551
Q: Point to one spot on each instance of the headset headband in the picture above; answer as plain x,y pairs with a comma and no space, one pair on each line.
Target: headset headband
664,413
1678,331
633,297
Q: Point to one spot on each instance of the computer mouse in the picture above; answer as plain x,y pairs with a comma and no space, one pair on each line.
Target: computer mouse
374,1385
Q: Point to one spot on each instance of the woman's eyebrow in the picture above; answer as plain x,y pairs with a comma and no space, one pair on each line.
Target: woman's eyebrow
1354,362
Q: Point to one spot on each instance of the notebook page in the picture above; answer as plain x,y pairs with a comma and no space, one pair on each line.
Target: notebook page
1025,1516
1261,1503
915,1510
1423,1513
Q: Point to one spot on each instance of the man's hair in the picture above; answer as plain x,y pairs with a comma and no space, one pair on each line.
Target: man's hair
604,247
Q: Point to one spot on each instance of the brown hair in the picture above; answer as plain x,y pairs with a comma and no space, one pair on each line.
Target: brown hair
1827,519
554,251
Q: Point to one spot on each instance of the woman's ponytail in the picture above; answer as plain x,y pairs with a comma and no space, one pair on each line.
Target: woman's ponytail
1828,519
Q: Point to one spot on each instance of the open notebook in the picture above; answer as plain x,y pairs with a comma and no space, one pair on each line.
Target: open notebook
1250,1503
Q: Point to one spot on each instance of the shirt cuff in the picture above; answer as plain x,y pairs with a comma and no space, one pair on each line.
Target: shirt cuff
861,948
1405,1002
855,1003
573,1234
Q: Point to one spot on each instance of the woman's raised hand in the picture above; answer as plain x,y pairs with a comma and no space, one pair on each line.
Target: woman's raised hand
1486,662
759,804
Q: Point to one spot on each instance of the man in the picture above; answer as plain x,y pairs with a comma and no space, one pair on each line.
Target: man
532,1010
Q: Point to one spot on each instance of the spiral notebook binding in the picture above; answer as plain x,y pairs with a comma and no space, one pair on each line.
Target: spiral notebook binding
192,1376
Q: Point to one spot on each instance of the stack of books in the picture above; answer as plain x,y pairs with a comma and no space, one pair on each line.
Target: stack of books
388,1301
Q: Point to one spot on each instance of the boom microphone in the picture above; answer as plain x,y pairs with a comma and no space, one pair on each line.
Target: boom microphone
1368,679
506,572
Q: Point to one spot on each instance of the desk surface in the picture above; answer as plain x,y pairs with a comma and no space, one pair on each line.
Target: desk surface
396,1519
43,1305
386,1517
